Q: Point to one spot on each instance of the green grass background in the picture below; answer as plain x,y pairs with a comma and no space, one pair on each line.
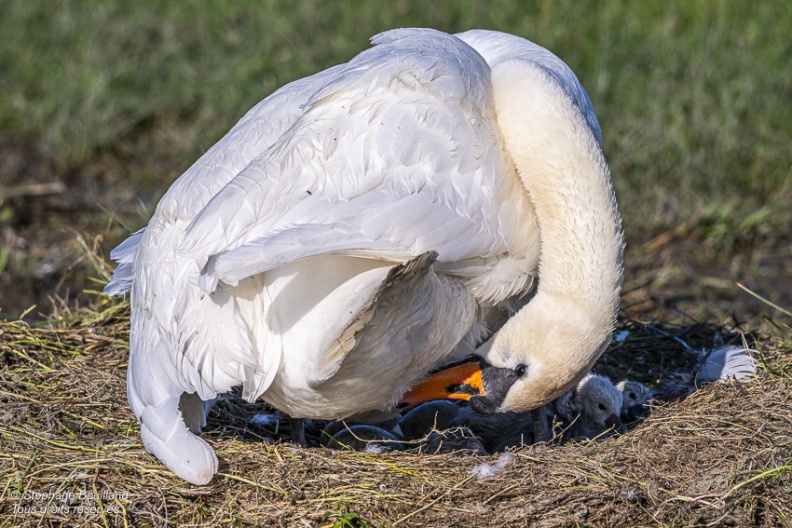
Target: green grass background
694,97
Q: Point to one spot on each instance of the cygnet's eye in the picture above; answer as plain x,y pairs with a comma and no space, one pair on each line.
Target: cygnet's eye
631,395
601,406
520,370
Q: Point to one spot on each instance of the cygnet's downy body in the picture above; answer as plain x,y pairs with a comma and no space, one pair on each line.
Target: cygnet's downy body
497,431
431,416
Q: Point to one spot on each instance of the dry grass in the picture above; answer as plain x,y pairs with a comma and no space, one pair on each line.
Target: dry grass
722,455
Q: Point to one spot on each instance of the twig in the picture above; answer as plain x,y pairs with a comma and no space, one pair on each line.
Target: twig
775,472
501,492
256,484
32,189
766,301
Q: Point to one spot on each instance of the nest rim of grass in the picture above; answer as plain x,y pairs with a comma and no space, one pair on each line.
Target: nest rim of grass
70,449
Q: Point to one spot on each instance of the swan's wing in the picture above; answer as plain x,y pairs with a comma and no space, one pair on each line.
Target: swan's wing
389,150
390,156
181,343
497,47
255,132
395,156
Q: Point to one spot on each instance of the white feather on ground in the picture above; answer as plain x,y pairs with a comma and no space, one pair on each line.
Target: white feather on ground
728,363
265,420
490,470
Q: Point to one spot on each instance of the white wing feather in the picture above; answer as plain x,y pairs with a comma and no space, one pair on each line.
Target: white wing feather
124,274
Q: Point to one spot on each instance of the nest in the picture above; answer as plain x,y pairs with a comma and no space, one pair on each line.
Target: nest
70,451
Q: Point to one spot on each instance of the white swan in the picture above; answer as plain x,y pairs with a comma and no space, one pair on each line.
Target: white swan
361,226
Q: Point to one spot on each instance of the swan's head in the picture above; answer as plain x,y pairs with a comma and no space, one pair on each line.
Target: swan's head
540,353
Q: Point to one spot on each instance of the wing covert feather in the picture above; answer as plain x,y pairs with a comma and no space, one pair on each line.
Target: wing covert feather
409,165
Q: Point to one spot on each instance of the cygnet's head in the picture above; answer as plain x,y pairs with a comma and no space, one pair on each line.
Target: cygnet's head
599,402
635,397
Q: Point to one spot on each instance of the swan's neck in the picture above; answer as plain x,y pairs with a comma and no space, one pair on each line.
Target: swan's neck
567,325
567,179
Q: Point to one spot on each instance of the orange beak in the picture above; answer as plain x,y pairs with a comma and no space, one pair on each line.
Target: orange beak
454,383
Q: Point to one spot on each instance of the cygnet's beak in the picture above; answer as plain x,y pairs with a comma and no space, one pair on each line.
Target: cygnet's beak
636,412
615,423
459,381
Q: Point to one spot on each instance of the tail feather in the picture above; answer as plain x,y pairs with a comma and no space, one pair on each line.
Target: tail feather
166,436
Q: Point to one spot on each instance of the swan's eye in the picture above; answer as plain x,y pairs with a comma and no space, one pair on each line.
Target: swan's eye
601,406
520,370
631,395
